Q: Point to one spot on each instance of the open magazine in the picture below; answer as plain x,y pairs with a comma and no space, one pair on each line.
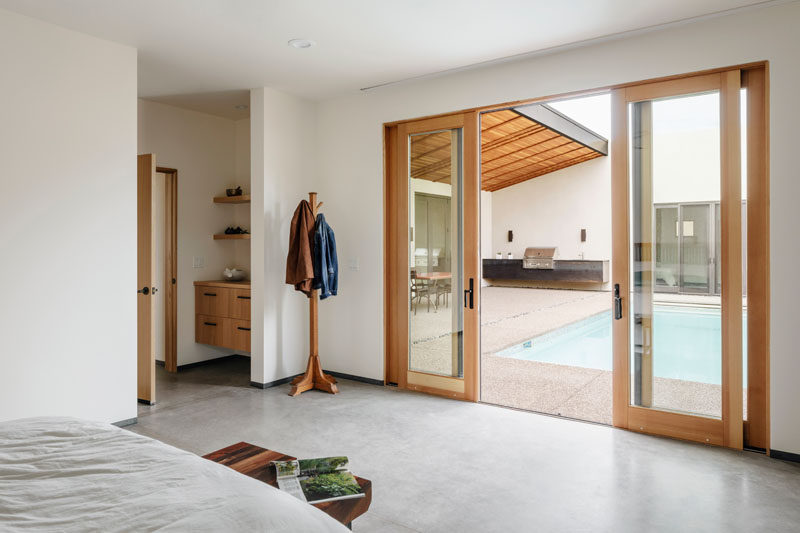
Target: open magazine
317,480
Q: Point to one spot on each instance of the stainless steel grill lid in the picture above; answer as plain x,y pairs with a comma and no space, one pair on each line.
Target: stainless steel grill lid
539,257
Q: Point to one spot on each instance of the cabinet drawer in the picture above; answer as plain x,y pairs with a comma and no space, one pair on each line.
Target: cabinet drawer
239,335
239,304
212,301
210,329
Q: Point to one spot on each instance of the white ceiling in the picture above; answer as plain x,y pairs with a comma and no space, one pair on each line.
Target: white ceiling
200,46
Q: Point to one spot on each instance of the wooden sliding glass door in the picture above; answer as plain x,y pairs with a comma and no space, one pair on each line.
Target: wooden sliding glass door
432,258
678,357
690,232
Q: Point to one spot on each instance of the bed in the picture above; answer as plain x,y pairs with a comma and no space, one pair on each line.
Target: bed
65,474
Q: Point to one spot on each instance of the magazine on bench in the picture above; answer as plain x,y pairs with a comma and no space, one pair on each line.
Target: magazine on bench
317,480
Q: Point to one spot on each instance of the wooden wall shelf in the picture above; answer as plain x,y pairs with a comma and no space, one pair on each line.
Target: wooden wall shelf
241,199
235,236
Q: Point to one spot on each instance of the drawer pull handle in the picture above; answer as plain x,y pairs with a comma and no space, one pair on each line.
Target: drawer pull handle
243,329
209,294
210,323
243,297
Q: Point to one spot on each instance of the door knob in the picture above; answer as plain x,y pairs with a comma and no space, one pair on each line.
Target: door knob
144,290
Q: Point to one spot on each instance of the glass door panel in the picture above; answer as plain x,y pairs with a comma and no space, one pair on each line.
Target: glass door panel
675,339
433,258
436,321
697,265
667,249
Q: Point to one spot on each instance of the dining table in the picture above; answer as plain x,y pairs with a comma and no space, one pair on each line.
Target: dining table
435,278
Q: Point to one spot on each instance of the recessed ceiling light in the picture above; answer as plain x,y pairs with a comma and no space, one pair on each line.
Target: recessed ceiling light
301,43
241,106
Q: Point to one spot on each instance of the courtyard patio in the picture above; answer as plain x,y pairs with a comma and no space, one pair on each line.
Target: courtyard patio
511,316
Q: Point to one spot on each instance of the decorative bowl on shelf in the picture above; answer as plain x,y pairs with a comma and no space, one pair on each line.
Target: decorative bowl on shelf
234,192
233,274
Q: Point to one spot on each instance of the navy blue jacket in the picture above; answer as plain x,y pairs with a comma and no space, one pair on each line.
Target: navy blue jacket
326,265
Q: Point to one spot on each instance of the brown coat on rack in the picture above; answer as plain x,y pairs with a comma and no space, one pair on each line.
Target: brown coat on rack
314,378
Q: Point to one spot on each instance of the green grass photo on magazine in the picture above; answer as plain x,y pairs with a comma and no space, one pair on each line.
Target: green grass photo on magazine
332,485
322,465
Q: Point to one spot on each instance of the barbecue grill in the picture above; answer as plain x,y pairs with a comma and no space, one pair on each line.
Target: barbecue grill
540,258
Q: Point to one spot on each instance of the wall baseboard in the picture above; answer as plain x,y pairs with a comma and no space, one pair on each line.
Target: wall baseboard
785,456
126,422
352,377
271,384
187,366
340,375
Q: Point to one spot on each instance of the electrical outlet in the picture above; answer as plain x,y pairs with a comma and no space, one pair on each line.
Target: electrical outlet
198,262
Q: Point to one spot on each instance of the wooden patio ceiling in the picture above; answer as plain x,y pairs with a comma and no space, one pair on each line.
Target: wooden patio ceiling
516,145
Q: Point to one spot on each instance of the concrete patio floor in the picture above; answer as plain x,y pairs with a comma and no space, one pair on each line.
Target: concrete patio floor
510,316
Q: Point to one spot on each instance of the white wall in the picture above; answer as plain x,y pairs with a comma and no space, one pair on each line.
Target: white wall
283,134
203,149
67,223
552,209
242,177
351,167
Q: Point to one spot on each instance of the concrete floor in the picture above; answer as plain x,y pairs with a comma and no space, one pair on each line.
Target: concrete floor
441,465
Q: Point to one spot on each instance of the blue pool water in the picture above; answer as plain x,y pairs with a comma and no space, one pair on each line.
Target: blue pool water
687,344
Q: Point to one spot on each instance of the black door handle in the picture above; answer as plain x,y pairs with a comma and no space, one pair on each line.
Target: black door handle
144,290
469,294
617,303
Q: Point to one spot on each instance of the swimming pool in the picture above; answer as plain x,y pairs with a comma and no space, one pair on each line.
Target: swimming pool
687,344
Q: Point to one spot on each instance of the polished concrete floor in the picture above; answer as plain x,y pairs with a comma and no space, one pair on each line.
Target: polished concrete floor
442,465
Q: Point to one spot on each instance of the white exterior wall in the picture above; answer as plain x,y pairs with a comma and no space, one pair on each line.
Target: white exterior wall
552,209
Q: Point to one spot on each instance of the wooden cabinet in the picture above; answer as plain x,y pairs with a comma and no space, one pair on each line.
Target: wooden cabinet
240,335
239,303
209,329
213,301
222,314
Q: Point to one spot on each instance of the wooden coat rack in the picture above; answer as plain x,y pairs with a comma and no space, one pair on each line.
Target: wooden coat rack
314,378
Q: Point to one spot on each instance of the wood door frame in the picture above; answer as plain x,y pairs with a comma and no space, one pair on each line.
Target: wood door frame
728,430
145,268
757,426
396,259
755,77
170,268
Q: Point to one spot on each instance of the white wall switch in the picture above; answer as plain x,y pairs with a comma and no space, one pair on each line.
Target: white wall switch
353,264
198,262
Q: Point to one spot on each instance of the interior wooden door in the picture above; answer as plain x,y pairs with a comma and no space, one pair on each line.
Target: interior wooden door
677,141
170,286
432,288
145,275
